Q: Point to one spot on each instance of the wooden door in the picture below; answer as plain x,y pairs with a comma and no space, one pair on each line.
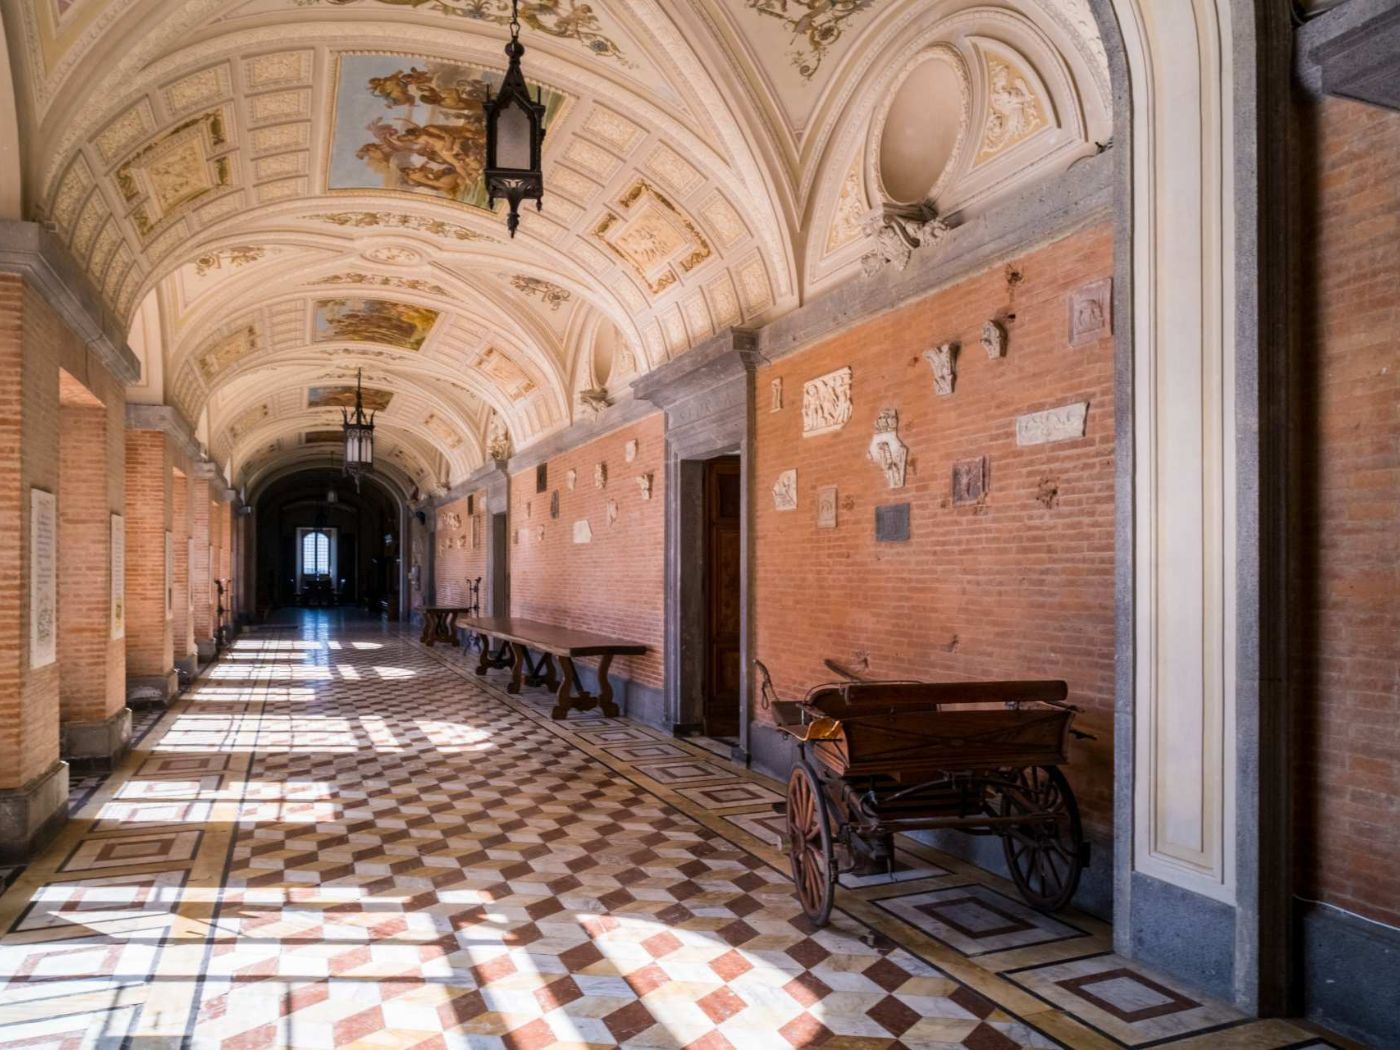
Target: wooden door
723,492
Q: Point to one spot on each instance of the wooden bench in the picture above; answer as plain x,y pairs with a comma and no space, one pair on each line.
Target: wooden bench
440,623
517,637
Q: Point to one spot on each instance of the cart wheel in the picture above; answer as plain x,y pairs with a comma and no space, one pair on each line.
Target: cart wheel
1045,859
809,844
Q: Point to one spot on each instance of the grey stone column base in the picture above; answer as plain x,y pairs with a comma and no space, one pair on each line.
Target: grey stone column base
205,649
188,664
152,690
97,744
31,815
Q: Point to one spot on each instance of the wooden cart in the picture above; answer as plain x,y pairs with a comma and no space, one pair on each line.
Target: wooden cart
884,757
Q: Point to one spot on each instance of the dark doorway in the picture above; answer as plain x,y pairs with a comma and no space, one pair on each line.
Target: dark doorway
723,514
361,527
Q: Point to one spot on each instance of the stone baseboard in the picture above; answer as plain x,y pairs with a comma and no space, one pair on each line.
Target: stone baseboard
1349,966
100,744
32,814
153,690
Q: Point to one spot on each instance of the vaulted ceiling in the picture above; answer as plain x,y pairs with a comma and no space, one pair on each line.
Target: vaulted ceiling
276,193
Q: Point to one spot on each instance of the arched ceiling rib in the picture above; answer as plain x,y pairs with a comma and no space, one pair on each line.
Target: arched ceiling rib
290,189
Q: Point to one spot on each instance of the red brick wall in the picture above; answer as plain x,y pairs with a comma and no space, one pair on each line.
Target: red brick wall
613,585
201,572
148,477
182,630
1020,586
1348,791
457,565
92,666
34,345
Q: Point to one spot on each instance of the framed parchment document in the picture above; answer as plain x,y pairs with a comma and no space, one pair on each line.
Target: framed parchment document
43,578
118,576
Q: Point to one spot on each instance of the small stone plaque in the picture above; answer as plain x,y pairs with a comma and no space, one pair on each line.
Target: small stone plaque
826,507
969,481
554,504
892,523
1091,312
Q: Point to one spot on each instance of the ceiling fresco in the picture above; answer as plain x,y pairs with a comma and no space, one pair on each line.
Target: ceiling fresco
275,193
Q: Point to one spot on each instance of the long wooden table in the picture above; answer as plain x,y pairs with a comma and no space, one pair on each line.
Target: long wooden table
517,637
440,623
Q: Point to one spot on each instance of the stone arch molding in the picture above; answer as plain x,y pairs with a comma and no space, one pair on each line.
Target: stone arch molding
1035,101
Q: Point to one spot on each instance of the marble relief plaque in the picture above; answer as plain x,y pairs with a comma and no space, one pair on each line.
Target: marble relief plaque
785,491
43,578
826,507
1054,424
969,481
826,403
1091,312
583,532
118,550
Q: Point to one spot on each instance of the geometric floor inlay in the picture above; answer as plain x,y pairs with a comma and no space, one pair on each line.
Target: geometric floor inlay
341,838
976,919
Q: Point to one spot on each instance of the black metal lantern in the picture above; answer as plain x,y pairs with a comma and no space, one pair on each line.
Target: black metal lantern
514,134
359,437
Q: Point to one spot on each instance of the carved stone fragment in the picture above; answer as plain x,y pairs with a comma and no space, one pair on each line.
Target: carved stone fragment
775,395
594,400
994,339
898,230
583,532
969,481
629,450
826,507
644,483
1091,312
886,450
826,403
571,478
600,475
943,361
554,504
612,511
1054,424
785,490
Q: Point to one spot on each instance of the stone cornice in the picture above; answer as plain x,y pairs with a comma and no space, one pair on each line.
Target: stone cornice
724,357
168,420
1352,51
1038,213
28,249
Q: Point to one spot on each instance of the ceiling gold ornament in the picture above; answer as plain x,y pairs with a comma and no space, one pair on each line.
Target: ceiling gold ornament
508,375
566,19
435,227
550,294
816,25
376,280
653,236
176,169
230,257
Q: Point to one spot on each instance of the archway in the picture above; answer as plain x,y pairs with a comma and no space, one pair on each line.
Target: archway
356,536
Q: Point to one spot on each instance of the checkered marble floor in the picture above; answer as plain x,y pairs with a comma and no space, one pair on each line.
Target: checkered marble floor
341,838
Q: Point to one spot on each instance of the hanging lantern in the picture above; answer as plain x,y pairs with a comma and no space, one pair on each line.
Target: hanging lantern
359,437
514,135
